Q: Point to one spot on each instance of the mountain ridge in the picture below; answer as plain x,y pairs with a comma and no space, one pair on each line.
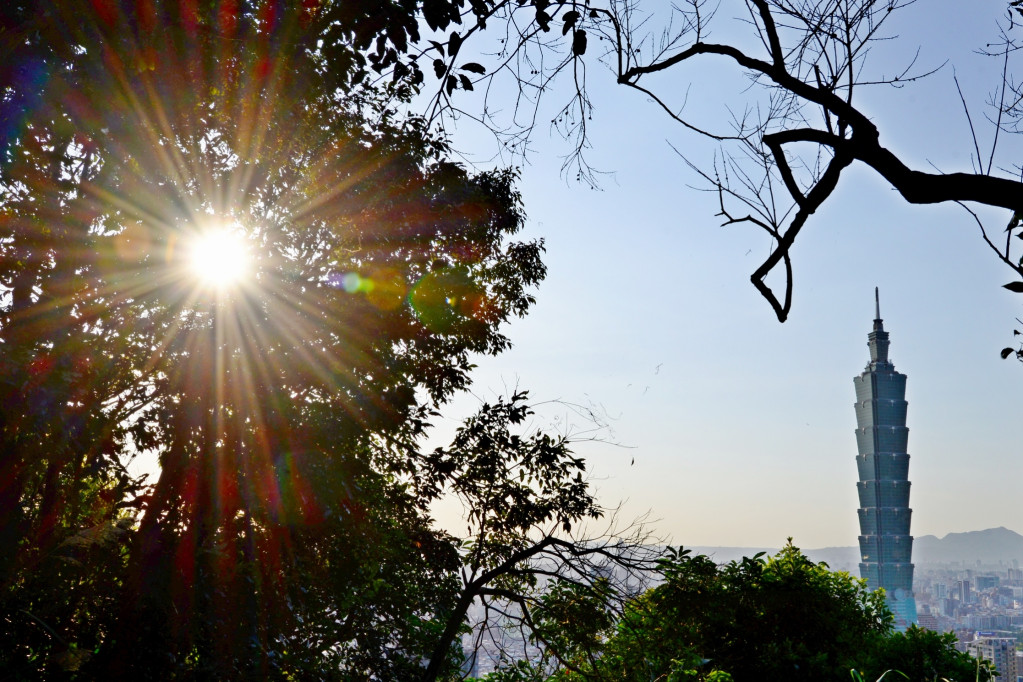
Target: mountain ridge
988,546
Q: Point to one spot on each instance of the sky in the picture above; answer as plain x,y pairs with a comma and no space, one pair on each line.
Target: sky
724,426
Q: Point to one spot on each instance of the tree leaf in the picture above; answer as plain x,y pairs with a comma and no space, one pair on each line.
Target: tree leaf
399,39
466,83
543,20
451,84
1006,352
439,68
1013,222
454,43
480,9
433,14
1014,286
570,18
579,43
473,67
438,46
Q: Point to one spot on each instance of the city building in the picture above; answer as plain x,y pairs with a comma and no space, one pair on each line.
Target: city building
1000,650
963,592
883,463
928,621
985,582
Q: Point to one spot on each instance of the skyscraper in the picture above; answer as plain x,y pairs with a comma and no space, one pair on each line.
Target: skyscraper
881,437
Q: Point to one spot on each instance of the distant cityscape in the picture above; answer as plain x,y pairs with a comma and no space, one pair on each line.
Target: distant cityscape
961,600
983,606
969,584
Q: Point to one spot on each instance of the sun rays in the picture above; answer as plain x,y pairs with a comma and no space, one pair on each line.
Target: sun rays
280,277
219,257
264,288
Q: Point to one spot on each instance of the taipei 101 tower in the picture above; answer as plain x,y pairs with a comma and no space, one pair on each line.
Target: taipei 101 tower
881,436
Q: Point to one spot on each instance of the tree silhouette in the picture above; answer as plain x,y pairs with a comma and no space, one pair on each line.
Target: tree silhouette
288,532
780,617
781,156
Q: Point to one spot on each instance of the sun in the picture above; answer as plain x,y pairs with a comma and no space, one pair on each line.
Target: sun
219,257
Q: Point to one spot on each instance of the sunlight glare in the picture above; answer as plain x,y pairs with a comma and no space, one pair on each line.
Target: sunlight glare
219,257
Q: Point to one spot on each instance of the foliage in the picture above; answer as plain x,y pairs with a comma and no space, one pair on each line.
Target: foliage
780,617
1010,351
288,533
519,671
924,655
783,617
525,499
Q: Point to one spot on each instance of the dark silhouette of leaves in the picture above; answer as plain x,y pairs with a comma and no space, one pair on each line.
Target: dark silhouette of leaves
569,18
579,43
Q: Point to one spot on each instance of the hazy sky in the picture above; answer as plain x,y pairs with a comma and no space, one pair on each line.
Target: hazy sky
741,428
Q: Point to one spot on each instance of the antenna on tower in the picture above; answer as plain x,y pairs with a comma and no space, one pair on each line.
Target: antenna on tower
877,304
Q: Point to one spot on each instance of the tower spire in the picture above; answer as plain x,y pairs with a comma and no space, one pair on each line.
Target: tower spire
878,338
878,322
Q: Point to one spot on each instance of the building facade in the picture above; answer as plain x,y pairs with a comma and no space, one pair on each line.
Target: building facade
885,543
1000,651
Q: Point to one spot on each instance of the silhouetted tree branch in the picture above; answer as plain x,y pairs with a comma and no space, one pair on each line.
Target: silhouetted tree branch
523,495
805,59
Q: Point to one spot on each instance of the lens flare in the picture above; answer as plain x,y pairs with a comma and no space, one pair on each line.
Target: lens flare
219,257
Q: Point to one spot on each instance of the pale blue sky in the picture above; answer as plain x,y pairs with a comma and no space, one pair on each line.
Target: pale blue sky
744,435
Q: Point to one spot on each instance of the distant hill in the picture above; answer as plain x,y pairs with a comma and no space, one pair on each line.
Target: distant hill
991,546
987,546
